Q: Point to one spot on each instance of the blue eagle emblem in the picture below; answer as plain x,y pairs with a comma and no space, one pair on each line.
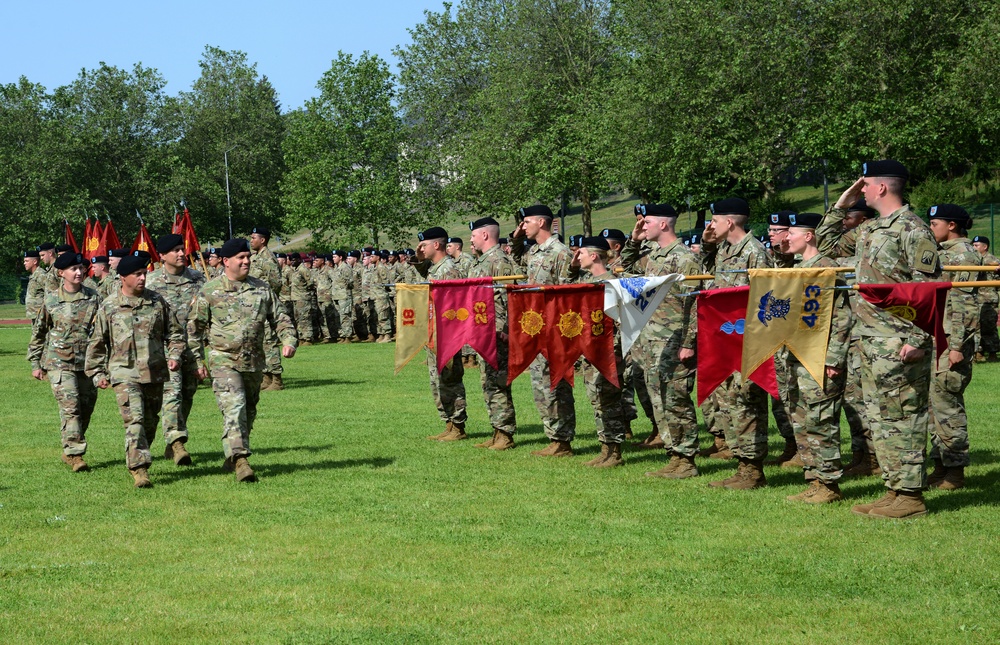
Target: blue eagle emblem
771,308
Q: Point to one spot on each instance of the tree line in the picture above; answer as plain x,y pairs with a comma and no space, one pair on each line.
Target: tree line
500,103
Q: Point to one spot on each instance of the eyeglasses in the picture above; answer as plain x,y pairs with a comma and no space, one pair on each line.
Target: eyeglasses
775,231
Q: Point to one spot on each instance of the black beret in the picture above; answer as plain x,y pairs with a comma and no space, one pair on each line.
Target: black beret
168,242
951,213
213,250
384,254
538,210
861,206
502,240
46,246
595,243
354,254
64,248
433,233
67,260
804,220
99,259
657,210
695,238
686,240
781,218
31,254
410,252
982,238
637,210
369,249
135,261
884,168
483,221
341,253
263,231
455,240
731,206
118,253
280,256
613,234
328,257
232,247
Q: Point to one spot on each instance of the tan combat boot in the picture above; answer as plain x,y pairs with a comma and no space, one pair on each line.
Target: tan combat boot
737,476
652,442
825,494
814,486
717,444
489,442
885,500
672,463
439,437
244,473
790,451
76,462
628,430
856,458
547,450
722,450
276,383
141,477
614,457
936,477
605,450
753,476
907,504
556,449
685,468
344,341
305,343
227,465
867,468
953,479
457,433
265,382
178,453
504,441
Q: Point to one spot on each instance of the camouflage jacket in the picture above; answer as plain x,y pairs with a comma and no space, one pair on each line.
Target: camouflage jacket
34,295
898,247
961,310
675,321
748,253
445,269
545,263
464,264
367,277
52,279
841,321
226,326
989,295
494,262
61,330
831,238
406,272
342,281
133,339
285,293
321,278
356,273
264,266
179,291
381,276
301,283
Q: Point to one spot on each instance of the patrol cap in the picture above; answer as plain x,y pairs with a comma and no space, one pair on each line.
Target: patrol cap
951,213
132,263
982,238
31,254
657,210
861,206
67,260
731,206
46,246
233,247
64,248
354,254
99,259
595,243
169,242
483,221
781,218
263,231
433,233
884,168
804,220
538,210
613,234
455,240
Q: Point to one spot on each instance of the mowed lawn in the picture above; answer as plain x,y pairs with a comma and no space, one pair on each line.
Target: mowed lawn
360,530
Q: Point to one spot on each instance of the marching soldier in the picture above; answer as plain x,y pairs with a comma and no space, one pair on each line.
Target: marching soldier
34,294
303,292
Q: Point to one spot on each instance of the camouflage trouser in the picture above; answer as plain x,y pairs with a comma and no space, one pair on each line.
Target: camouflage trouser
496,392
898,409
987,340
634,386
815,415
448,388
392,310
383,314
139,404
304,320
949,424
716,419
742,413
327,317
780,407
237,394
359,320
272,352
345,317
854,403
669,384
556,407
76,396
178,397
606,399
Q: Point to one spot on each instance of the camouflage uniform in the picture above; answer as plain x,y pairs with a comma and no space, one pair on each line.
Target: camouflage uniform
178,391
264,266
447,386
381,276
672,327
284,293
464,264
324,304
987,340
545,263
59,336
896,248
111,284
814,408
341,288
360,315
496,392
226,334
303,290
134,337
605,397
950,427
742,413
34,294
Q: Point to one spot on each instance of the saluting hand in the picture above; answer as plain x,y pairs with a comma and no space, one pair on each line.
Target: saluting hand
639,231
851,196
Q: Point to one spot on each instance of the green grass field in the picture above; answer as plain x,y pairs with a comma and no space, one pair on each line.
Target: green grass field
361,531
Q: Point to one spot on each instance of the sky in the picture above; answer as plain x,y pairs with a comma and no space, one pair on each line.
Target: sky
292,43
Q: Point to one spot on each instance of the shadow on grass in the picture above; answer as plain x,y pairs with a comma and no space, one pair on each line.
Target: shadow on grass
267,470
303,383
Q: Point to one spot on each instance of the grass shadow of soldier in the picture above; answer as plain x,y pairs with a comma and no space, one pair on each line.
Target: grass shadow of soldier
208,468
302,383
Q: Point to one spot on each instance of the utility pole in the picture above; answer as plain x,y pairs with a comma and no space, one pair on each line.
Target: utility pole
229,203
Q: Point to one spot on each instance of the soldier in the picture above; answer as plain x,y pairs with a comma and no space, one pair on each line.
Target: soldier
545,262
285,293
58,349
34,294
114,283
360,320
178,284
101,270
370,320
745,427
380,277
814,408
433,263
324,301
303,292
137,340
666,345
341,290
226,334
53,281
897,364
493,262
214,263
987,340
264,266
949,424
